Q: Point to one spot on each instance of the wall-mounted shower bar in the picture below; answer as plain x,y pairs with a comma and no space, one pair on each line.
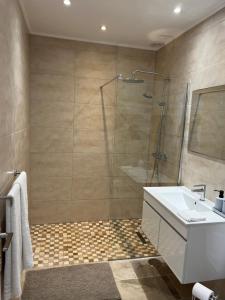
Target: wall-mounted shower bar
111,80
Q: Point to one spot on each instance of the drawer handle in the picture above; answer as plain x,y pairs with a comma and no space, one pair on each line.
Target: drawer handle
8,238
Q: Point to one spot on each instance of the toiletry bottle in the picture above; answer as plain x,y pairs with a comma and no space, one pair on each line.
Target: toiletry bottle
220,201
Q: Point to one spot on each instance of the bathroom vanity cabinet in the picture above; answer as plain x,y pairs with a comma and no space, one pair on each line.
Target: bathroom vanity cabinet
193,251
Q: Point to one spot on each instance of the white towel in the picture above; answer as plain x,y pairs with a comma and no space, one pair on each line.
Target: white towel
191,215
19,254
26,238
13,261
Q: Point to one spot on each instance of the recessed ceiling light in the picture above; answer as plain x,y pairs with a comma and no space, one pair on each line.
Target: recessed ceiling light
177,10
103,28
67,2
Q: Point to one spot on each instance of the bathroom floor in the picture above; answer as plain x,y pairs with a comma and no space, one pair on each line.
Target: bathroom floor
136,279
84,242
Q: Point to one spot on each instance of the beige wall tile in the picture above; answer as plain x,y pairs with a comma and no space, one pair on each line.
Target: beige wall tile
56,212
130,140
6,158
6,99
47,212
196,56
50,189
94,117
125,208
123,187
133,116
50,87
93,141
51,139
94,61
51,114
21,117
21,150
88,92
129,60
92,210
91,188
91,164
14,101
51,164
51,59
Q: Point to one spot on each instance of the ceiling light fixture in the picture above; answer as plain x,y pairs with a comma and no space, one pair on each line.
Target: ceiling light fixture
177,10
67,2
103,28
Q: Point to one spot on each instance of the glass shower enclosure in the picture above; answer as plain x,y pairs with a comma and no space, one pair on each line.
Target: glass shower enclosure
143,149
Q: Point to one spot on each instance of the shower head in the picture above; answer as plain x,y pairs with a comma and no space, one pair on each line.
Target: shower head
133,80
162,104
130,80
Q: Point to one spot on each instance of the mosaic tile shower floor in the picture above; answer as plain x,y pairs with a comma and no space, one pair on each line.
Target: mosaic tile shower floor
83,242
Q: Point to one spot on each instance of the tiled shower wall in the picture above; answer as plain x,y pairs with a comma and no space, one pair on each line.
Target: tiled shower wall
197,57
14,94
75,132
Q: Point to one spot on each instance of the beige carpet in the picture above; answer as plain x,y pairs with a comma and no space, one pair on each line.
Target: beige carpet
81,282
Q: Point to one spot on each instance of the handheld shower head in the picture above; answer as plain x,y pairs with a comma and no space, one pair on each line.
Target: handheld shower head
147,96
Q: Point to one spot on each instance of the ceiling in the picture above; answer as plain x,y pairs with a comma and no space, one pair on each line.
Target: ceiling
146,24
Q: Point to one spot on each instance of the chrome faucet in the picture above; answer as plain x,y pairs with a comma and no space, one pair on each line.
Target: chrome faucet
200,188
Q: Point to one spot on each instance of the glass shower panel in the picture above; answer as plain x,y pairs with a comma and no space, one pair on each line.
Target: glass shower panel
145,151
130,161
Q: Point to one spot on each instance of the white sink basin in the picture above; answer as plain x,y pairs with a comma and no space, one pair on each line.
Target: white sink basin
180,198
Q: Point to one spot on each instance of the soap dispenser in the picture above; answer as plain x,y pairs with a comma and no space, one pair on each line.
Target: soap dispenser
220,201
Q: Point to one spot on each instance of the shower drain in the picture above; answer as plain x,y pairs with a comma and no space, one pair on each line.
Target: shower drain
139,234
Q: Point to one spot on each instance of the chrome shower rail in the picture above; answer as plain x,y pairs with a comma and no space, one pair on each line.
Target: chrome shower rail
7,236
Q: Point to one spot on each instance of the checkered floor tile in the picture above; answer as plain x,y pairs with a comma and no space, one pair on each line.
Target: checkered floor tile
83,242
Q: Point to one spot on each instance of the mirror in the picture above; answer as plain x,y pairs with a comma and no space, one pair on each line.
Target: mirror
207,124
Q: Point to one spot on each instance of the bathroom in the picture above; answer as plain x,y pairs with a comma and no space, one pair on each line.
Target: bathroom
99,100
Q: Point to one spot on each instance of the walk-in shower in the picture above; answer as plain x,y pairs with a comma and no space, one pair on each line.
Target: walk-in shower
156,94
138,140
146,145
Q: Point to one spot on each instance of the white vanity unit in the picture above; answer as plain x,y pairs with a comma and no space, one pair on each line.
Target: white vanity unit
194,251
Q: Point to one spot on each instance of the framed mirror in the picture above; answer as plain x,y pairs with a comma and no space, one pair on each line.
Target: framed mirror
207,123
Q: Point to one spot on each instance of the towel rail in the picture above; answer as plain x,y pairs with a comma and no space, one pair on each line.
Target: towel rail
14,173
7,236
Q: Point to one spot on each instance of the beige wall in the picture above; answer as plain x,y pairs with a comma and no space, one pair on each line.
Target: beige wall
197,56
14,94
77,143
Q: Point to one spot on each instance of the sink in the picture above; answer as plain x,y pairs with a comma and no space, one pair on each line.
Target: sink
180,198
189,248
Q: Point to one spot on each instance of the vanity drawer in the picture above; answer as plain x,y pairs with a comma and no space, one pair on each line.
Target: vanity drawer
150,224
172,247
